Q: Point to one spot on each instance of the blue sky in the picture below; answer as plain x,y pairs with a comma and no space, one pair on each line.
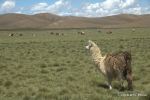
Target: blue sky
88,8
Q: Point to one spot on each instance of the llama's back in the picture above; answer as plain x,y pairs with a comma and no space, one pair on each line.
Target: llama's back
118,62
125,58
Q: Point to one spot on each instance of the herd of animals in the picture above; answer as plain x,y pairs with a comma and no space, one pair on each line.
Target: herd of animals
62,34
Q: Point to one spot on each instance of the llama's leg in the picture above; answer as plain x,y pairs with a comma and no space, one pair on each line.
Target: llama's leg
121,77
122,83
109,84
129,80
110,87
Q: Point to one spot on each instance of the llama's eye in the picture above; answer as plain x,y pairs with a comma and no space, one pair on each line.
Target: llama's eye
90,45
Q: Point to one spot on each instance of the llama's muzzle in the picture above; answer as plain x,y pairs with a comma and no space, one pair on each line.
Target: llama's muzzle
87,47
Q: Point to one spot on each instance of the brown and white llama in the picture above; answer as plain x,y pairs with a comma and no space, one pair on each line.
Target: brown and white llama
112,66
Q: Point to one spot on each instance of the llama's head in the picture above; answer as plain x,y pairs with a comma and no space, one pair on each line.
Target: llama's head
90,45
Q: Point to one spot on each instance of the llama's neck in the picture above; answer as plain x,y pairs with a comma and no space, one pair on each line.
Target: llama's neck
98,59
96,54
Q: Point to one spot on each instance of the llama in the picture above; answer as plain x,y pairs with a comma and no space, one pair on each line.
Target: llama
112,66
57,34
133,30
11,34
52,33
109,32
81,33
20,34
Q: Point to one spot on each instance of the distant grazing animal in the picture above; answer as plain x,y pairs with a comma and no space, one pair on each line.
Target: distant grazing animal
99,31
109,32
52,33
57,33
62,33
133,30
112,66
11,34
33,35
81,33
20,34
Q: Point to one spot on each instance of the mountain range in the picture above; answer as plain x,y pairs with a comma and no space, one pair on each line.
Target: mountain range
51,21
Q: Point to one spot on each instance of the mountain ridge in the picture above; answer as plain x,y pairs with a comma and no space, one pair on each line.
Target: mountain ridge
50,21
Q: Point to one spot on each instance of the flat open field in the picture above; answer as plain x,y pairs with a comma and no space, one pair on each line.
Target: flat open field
41,66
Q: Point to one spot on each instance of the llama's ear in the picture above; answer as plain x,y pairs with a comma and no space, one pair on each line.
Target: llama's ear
89,41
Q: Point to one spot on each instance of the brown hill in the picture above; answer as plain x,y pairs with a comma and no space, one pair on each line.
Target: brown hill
47,21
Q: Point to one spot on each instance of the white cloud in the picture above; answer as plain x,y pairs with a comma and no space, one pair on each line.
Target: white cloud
39,6
108,4
135,10
53,8
7,6
127,3
57,5
110,7
18,12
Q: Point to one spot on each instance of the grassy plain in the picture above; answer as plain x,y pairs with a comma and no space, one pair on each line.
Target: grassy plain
49,67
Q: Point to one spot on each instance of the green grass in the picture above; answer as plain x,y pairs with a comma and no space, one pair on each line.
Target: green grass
49,67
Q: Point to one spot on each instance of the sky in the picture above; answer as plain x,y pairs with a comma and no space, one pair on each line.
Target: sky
86,8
